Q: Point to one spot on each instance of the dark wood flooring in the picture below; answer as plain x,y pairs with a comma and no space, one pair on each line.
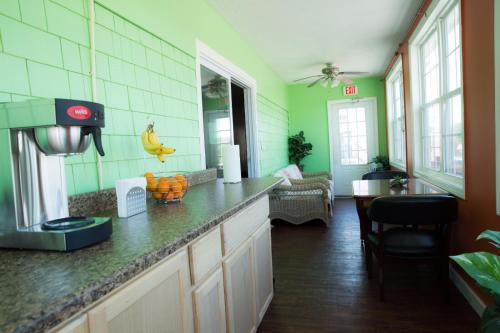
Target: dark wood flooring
322,286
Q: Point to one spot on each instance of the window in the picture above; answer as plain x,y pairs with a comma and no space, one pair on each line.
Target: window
436,71
396,116
353,136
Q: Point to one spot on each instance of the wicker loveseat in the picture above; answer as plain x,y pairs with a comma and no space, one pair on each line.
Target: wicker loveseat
302,196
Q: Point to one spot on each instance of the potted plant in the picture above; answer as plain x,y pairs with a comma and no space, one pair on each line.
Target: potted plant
484,268
398,181
298,149
380,163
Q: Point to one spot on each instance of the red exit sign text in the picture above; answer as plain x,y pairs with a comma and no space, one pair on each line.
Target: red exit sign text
350,90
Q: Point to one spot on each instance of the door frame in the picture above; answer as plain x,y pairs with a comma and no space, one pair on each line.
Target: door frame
330,105
209,58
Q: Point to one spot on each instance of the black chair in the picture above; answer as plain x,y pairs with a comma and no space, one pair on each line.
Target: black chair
386,174
406,239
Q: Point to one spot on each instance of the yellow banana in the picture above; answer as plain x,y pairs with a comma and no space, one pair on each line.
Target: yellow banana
151,144
147,145
161,157
165,150
153,138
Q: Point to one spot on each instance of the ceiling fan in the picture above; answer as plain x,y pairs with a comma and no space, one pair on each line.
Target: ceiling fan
331,75
215,87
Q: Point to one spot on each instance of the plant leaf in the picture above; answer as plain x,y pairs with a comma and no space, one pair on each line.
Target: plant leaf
483,267
493,236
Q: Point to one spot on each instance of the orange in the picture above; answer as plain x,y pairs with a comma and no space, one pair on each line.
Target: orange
152,184
181,194
149,175
184,184
170,195
163,179
180,177
163,186
157,195
176,186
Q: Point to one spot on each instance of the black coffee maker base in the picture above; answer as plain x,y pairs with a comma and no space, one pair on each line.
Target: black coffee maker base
90,235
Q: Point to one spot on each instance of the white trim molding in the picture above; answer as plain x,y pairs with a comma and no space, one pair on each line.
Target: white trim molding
475,302
209,58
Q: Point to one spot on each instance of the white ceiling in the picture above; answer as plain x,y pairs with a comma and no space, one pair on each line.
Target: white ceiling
296,37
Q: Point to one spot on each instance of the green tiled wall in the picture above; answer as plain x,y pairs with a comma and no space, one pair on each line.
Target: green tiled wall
143,79
273,135
45,52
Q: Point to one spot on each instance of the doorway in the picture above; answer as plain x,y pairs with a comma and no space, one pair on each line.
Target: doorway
353,140
239,125
227,112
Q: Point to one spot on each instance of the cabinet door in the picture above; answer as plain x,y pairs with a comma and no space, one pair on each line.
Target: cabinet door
79,325
209,307
263,269
157,302
240,290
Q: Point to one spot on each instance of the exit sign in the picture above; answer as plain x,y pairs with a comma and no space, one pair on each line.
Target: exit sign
350,90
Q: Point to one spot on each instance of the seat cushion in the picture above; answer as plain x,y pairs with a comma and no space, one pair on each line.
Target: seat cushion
408,242
293,171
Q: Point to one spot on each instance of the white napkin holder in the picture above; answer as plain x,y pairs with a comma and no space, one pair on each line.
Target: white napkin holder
131,196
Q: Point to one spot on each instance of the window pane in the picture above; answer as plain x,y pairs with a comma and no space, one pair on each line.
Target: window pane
396,118
454,155
453,49
454,136
430,56
432,137
353,138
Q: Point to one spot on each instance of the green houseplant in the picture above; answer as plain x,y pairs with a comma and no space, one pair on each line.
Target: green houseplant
298,149
381,163
484,268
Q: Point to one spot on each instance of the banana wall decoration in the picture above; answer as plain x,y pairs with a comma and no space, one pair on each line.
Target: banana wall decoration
152,144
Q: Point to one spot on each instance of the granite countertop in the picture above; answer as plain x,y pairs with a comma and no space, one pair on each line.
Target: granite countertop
41,289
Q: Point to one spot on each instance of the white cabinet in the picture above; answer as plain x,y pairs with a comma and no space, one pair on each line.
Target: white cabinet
220,282
78,325
158,301
209,306
263,269
205,254
240,290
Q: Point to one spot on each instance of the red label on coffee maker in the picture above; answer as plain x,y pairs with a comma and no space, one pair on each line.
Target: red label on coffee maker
79,112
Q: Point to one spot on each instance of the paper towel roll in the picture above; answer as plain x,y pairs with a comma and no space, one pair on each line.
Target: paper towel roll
231,163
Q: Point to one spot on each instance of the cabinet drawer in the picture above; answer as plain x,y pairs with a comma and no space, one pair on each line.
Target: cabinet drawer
205,254
240,227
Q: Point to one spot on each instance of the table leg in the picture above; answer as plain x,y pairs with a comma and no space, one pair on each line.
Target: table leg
363,219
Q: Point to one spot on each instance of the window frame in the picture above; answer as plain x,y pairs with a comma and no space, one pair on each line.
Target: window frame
396,73
435,23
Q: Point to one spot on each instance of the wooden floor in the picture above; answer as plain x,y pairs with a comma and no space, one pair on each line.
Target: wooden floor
321,286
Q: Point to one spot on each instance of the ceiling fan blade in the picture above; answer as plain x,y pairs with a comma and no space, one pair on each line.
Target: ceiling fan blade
314,82
308,77
325,82
335,82
352,73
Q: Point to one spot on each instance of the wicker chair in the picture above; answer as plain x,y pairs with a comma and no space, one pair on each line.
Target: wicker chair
306,199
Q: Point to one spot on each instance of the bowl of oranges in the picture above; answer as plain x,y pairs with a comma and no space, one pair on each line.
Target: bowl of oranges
165,188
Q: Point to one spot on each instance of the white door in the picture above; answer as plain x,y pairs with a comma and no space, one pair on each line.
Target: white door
353,141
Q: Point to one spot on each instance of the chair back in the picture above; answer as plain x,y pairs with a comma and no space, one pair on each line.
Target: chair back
386,174
413,210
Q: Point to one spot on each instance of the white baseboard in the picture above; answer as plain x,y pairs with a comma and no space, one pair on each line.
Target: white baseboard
475,301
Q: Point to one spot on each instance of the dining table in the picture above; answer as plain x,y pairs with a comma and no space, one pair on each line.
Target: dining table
364,191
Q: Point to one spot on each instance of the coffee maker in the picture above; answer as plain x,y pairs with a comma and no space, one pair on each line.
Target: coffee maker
35,135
